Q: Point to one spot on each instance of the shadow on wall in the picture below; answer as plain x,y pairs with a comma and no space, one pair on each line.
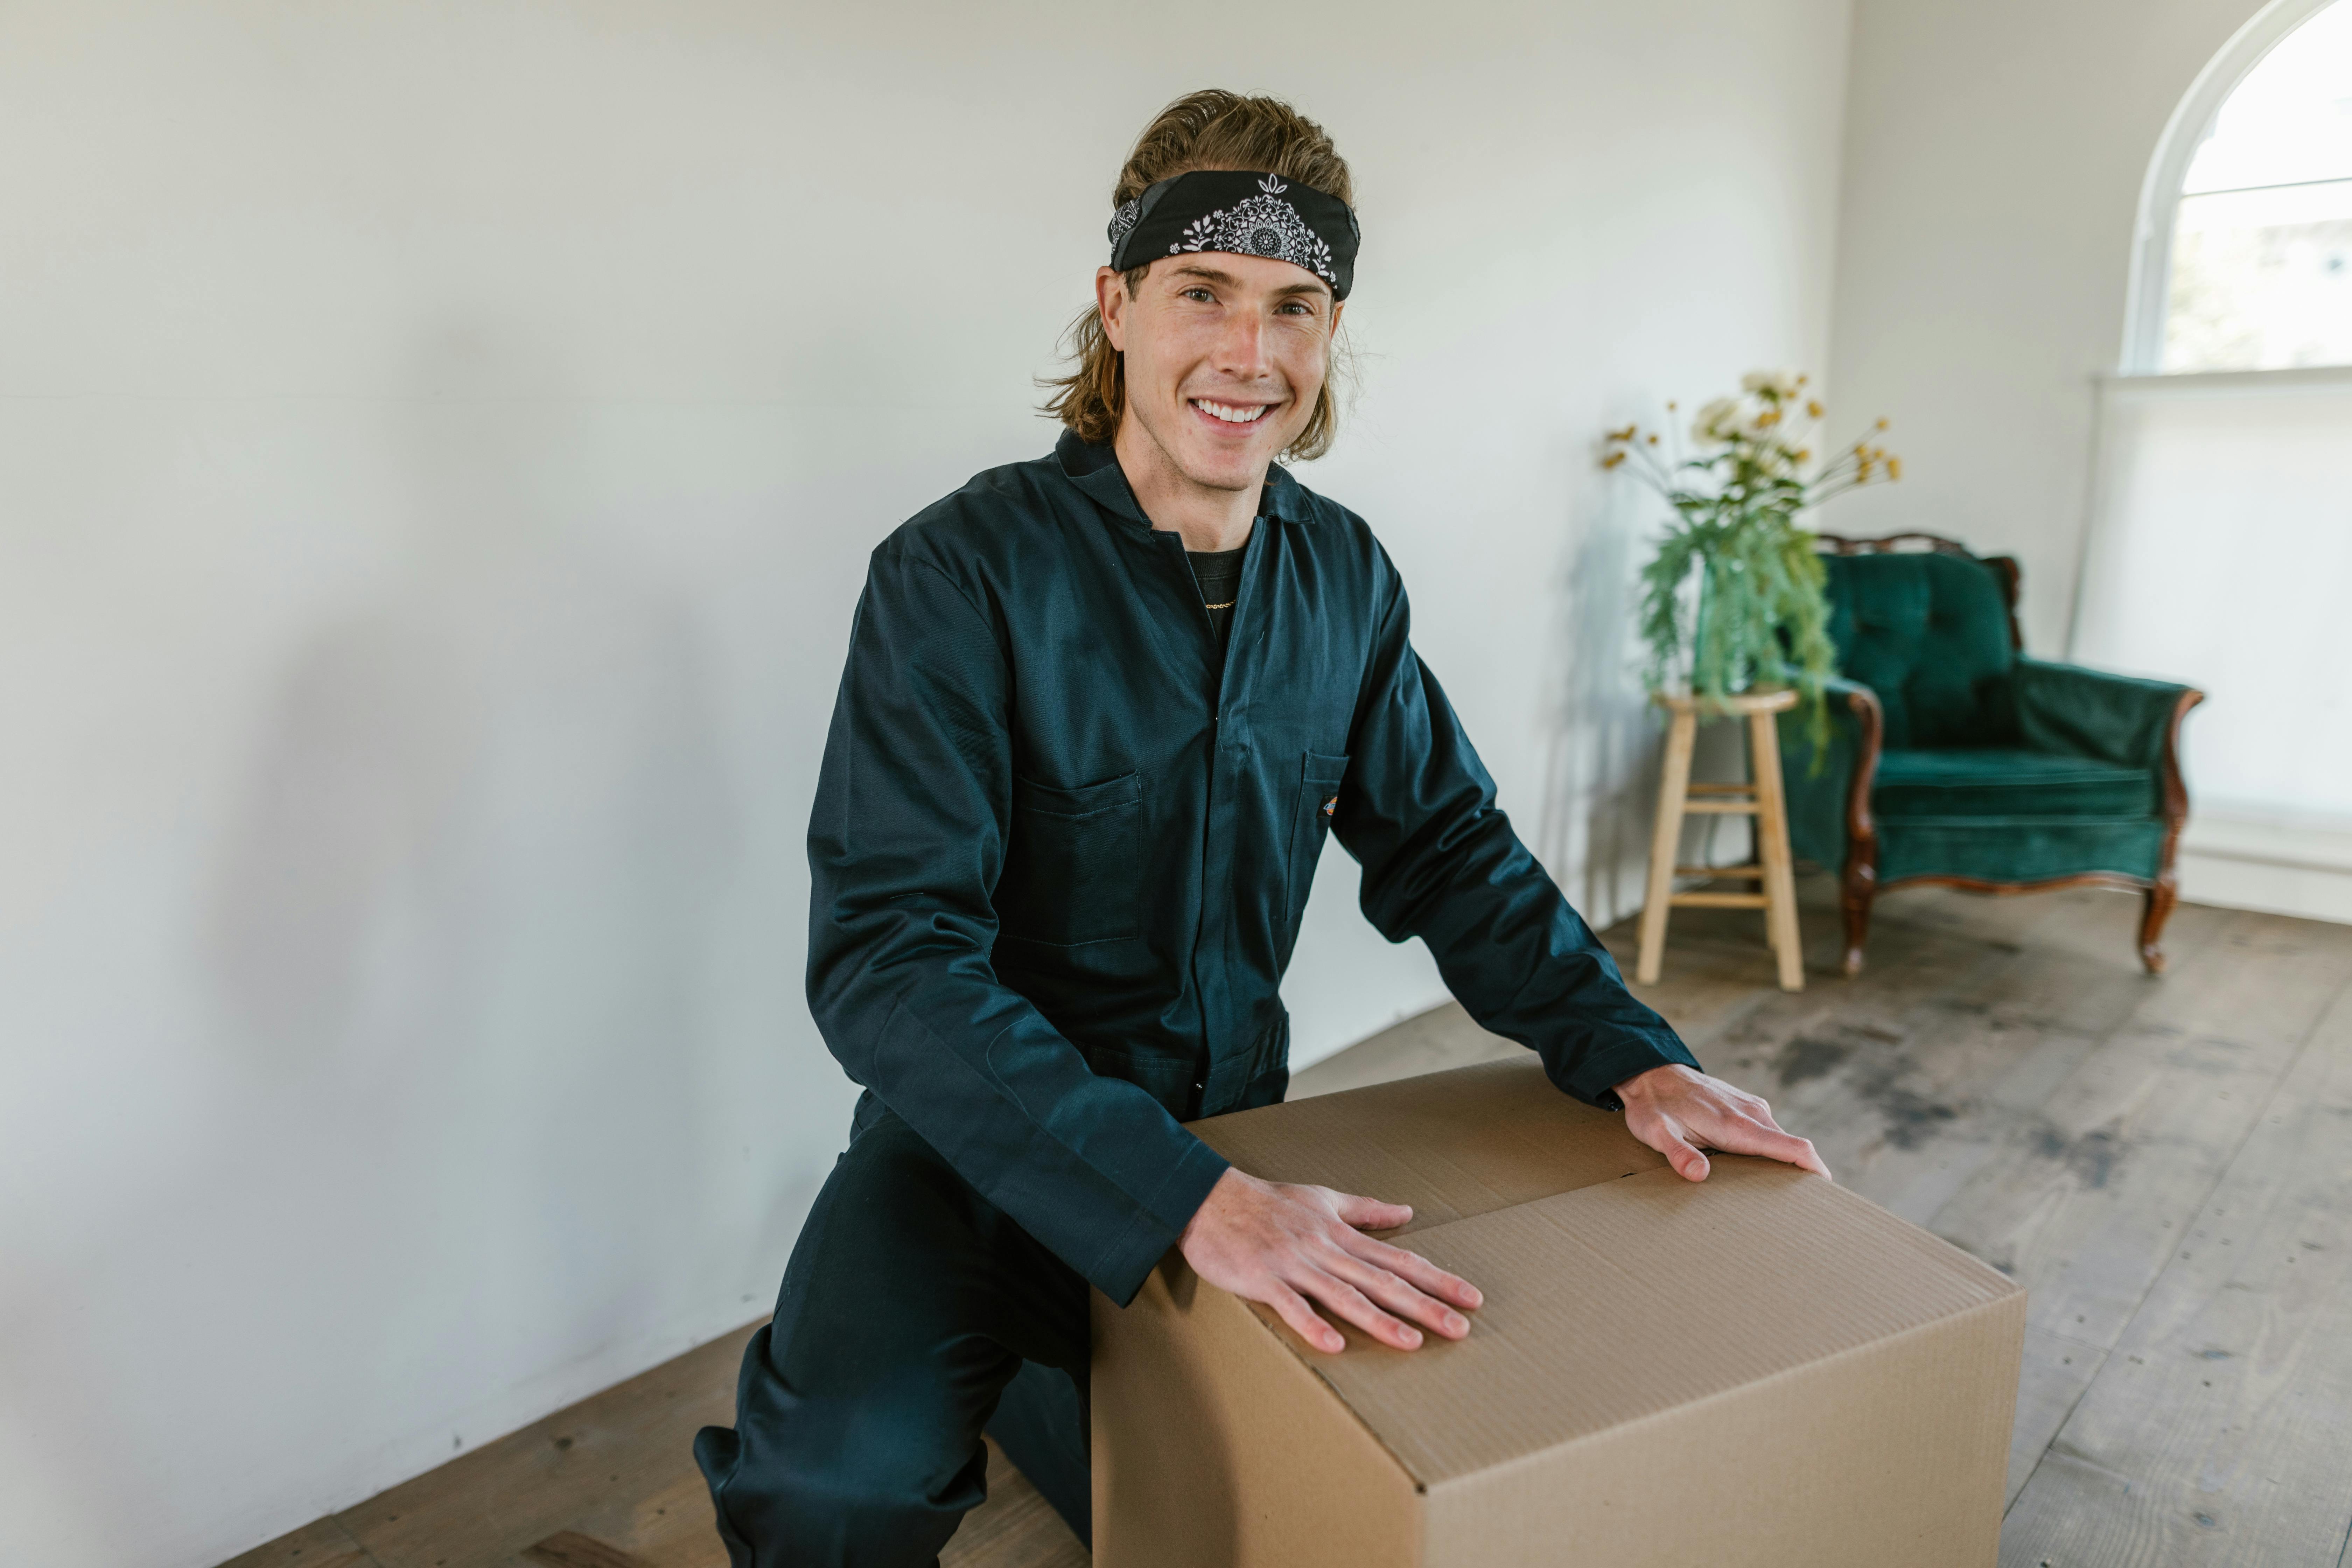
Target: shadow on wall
467,896
1600,767
1603,764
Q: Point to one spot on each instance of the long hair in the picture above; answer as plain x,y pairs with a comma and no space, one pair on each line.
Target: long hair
1211,129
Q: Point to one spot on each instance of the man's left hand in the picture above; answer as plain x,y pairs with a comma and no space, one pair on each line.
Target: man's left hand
1681,1112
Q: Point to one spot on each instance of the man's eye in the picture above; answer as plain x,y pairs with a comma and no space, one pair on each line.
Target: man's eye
1201,294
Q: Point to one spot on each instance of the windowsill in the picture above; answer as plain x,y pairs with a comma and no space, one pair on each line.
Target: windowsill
2191,382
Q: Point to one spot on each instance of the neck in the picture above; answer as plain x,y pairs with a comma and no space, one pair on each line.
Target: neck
1203,516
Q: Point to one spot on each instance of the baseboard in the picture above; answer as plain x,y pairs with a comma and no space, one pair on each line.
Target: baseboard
2276,864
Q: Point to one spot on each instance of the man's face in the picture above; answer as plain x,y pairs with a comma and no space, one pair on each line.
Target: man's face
1225,357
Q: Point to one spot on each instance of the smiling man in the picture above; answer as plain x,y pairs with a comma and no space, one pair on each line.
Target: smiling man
1099,714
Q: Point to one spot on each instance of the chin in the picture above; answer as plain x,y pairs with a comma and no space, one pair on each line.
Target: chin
1227,469
1222,462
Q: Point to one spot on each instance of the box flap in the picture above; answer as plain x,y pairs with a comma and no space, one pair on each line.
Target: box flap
1451,1144
1617,1301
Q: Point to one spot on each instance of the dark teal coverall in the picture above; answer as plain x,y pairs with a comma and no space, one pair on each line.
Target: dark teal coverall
1059,854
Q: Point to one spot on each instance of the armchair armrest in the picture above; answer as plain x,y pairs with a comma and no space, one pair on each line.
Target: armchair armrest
2080,713
1829,793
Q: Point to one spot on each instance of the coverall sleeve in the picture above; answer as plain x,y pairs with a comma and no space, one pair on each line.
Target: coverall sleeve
1440,862
906,845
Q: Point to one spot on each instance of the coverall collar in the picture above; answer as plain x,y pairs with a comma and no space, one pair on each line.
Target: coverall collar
1096,470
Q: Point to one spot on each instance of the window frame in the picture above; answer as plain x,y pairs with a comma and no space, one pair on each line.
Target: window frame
2148,302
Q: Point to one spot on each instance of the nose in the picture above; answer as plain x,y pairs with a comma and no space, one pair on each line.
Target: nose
1241,347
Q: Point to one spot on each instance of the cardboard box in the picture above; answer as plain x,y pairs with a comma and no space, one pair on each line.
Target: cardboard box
1760,1368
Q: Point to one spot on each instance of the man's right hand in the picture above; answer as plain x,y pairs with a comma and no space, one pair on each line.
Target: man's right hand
1284,1246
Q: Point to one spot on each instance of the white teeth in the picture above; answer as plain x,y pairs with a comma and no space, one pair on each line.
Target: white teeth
1228,413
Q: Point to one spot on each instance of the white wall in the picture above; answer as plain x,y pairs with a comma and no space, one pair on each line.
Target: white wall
1994,154
439,446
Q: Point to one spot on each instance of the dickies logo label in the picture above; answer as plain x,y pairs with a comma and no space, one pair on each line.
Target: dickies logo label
1330,806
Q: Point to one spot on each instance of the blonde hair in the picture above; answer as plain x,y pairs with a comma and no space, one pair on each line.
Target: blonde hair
1211,129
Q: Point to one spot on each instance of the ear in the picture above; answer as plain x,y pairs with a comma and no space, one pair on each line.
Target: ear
1111,303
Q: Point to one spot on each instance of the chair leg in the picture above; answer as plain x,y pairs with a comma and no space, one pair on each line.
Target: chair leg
2161,896
1856,889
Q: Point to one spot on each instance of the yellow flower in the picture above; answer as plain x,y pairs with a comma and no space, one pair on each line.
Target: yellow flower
1893,467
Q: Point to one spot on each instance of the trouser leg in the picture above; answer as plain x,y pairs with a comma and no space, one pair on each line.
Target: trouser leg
909,1304
1041,1424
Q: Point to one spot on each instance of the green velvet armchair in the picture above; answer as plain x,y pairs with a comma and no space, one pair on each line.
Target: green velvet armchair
1954,759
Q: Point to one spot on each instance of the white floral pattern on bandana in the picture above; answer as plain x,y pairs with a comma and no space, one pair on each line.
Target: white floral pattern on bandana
1263,226
1123,222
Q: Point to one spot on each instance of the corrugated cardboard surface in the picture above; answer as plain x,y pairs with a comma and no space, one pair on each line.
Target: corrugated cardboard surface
1890,1456
1451,1145
1622,1301
1760,1368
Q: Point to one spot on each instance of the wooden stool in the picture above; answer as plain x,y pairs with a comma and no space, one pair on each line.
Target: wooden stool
1761,799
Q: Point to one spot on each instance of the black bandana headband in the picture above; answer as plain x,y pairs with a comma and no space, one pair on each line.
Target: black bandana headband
1248,214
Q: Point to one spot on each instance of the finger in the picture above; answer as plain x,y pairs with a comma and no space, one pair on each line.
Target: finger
1415,1269
1777,1145
1348,1302
1738,1136
1303,1320
1680,1153
1399,1295
1371,1213
1774,1146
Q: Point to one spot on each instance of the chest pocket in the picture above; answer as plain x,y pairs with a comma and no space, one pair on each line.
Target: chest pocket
1318,800
1072,865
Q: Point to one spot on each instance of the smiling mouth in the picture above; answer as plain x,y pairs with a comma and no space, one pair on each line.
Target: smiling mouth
1232,413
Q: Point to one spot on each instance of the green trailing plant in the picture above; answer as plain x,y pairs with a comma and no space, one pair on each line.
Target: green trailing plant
1733,600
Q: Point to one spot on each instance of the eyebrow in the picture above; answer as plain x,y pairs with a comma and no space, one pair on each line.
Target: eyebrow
1215,275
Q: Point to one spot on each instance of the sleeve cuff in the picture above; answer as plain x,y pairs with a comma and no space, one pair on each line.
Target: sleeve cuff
1594,1080
1119,1270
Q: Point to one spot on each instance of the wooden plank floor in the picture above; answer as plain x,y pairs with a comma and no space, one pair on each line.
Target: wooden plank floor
2166,1164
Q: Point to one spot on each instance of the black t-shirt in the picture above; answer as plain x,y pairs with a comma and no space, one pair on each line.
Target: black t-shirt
1219,573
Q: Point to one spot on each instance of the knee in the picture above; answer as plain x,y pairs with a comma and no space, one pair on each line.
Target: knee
891,1449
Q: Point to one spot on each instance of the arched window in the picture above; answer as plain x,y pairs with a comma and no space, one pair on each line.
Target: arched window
2246,223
